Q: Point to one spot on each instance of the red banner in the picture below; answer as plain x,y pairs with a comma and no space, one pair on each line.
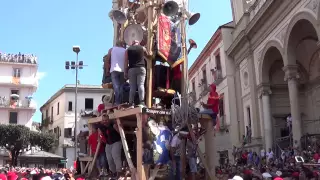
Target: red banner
164,36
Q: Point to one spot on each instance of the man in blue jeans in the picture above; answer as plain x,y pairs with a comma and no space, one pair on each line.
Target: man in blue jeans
115,60
136,72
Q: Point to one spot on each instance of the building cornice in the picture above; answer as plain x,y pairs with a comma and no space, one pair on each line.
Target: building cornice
81,89
215,40
240,38
254,27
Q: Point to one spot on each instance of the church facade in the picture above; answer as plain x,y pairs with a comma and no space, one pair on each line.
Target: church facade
275,49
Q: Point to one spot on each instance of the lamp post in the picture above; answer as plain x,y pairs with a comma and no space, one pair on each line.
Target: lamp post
75,65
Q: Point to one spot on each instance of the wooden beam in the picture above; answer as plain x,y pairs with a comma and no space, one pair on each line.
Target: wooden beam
95,120
126,113
141,170
126,149
151,12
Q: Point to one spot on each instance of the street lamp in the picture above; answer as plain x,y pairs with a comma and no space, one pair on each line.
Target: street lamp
75,65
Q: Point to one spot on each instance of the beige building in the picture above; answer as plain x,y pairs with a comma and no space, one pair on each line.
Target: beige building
266,66
214,66
58,114
18,83
276,53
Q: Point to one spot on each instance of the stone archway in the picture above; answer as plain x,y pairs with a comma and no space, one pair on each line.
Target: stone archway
274,93
301,45
296,32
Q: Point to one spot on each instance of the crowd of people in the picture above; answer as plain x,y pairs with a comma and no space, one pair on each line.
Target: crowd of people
292,163
18,58
21,173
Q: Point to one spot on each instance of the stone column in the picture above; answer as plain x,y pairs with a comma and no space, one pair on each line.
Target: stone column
268,137
261,116
210,148
255,126
292,76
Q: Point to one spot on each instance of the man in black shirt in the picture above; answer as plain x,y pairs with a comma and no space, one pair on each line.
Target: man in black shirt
113,148
135,70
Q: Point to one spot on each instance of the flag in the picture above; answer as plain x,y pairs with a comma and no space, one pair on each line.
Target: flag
15,80
169,41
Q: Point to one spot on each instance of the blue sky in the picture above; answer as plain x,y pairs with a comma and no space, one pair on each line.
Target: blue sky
49,29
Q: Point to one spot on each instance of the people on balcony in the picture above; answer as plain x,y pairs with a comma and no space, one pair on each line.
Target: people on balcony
18,58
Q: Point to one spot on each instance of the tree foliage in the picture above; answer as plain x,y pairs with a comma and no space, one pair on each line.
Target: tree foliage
15,138
45,141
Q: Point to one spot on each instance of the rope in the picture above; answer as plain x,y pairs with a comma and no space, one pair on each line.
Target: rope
181,115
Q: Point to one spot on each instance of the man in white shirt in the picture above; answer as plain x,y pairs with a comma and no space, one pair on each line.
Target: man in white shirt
269,155
115,61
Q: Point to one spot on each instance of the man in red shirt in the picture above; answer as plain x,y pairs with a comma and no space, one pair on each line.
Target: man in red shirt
93,141
101,106
212,106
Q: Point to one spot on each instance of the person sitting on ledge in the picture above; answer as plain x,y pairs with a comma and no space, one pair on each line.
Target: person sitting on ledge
212,106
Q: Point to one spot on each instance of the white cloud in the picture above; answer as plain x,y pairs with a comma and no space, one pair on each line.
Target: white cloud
41,75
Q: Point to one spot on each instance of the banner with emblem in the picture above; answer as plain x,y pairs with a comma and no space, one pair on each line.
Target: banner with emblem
169,41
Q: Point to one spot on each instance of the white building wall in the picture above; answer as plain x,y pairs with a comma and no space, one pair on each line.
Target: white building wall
66,118
223,140
27,87
28,73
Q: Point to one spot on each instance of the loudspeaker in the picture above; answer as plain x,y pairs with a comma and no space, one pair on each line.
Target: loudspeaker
133,32
193,17
170,8
120,15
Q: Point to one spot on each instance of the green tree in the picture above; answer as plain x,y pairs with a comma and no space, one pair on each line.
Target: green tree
46,141
14,138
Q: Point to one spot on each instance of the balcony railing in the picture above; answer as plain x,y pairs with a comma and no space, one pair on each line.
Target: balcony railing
88,113
20,81
18,58
46,121
217,76
9,103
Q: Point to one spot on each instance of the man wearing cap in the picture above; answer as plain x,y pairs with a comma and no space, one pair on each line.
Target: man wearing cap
136,72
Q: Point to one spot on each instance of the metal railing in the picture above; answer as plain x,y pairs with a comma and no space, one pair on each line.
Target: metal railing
8,103
46,121
217,76
21,81
311,126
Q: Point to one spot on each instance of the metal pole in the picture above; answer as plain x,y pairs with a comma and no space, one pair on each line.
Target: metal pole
76,113
184,93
